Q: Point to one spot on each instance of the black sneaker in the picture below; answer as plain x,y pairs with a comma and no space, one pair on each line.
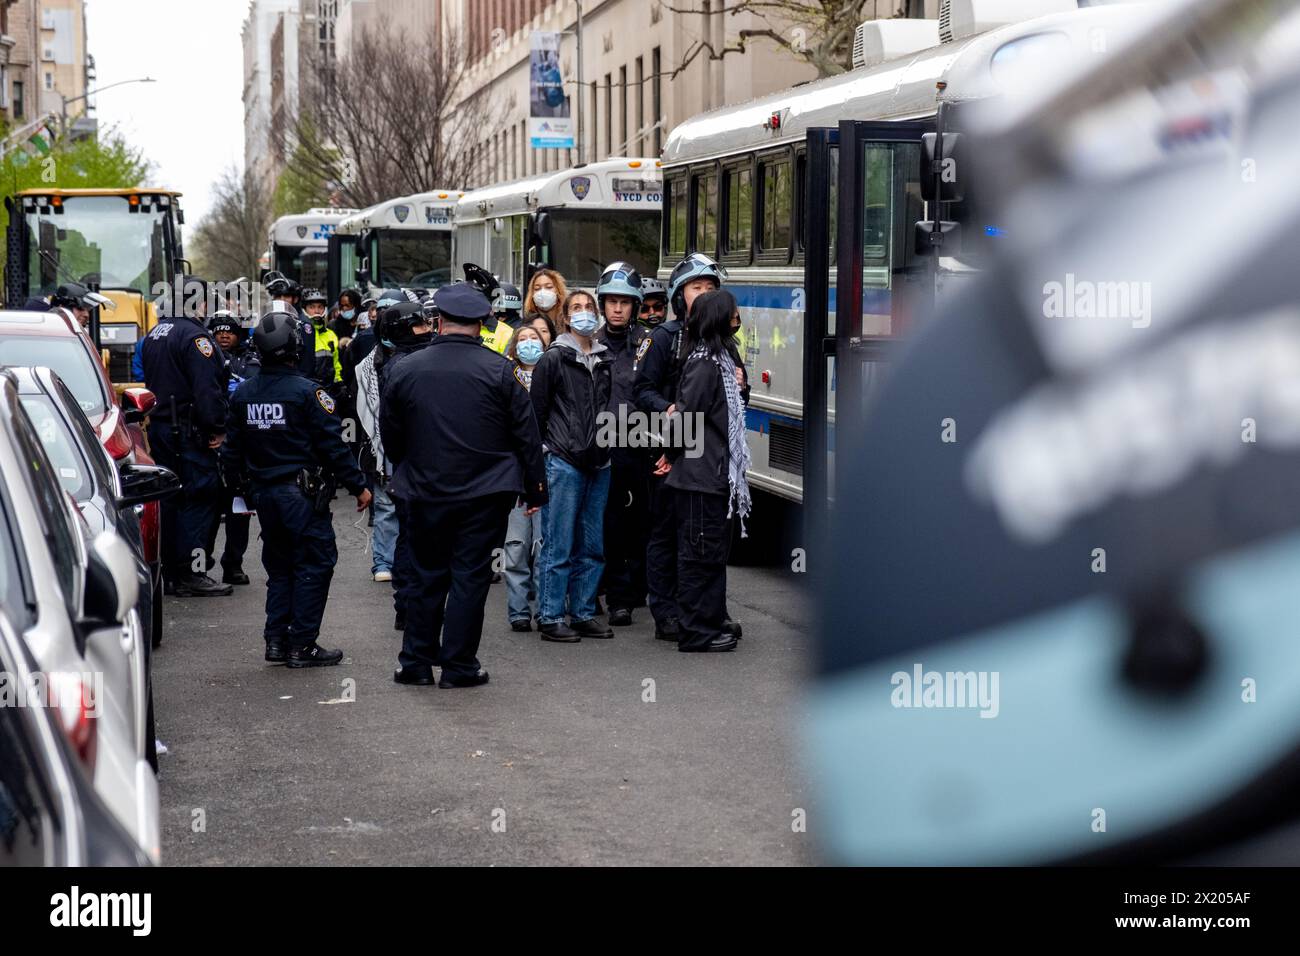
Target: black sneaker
200,585
522,626
234,576
670,630
620,617
559,633
591,628
277,652
313,655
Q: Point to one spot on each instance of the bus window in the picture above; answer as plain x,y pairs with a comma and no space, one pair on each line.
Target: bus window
583,242
739,229
878,190
775,202
706,214
414,258
675,220
500,234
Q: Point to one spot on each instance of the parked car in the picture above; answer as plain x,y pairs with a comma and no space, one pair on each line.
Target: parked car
50,814
72,596
52,340
109,499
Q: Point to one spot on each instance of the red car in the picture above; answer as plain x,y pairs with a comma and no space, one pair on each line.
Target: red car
55,341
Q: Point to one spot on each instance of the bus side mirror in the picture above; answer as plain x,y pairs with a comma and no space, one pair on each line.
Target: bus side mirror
951,169
363,272
542,229
947,240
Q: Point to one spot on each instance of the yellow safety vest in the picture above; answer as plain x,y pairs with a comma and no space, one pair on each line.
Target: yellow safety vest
499,339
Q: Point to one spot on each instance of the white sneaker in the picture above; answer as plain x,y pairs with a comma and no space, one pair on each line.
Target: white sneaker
383,575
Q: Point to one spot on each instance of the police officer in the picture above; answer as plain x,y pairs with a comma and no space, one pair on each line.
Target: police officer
404,329
242,363
654,302
185,370
627,511
457,422
658,367
286,447
328,369
495,333
76,302
284,294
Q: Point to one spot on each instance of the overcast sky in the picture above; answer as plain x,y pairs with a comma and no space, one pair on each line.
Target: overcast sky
190,123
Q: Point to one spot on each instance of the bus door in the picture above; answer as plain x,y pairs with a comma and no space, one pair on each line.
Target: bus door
863,281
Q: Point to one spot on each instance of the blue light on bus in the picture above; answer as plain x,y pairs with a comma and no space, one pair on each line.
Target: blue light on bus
994,231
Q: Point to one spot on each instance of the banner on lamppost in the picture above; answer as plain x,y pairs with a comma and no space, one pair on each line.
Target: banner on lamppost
549,123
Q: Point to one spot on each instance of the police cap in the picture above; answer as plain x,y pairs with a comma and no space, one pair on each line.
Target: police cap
462,302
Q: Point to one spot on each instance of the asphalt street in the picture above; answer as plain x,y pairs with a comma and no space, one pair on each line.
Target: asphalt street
559,760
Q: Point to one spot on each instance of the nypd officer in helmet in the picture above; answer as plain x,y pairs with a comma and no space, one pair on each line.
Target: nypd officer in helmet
185,370
457,422
286,448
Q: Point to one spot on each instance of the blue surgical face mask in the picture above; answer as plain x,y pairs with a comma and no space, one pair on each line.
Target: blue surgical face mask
529,351
349,314
584,323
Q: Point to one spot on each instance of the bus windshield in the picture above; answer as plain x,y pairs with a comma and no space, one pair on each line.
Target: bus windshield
307,265
96,239
583,243
414,258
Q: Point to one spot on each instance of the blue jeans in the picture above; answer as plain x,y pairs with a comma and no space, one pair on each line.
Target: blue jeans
383,536
573,542
523,535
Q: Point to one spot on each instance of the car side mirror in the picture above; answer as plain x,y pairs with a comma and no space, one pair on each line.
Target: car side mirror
144,483
137,403
111,587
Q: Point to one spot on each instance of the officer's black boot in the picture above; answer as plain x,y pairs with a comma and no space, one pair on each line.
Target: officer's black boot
620,617
234,576
671,630
200,585
733,628
312,655
277,652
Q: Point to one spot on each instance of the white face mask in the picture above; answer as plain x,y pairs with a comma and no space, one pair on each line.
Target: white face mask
545,298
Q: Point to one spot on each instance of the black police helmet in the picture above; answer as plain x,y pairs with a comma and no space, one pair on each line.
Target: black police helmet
482,280
311,296
397,322
74,295
276,338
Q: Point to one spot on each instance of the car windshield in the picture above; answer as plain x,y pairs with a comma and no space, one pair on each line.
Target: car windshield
96,239
582,244
60,445
405,257
68,356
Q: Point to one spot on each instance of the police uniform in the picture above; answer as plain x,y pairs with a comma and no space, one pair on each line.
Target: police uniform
185,370
242,363
282,425
657,371
457,423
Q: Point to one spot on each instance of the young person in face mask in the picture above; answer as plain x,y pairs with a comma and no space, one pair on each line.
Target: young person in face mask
710,490
546,296
627,513
570,387
345,323
524,530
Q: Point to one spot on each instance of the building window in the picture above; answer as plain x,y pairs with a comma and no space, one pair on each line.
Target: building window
656,99
609,116
622,110
592,149
49,80
20,104
640,106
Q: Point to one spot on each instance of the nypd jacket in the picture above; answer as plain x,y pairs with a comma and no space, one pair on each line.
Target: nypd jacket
242,363
280,423
456,424
657,368
185,369
569,390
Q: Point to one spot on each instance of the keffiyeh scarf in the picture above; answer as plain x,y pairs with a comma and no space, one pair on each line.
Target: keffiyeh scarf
738,460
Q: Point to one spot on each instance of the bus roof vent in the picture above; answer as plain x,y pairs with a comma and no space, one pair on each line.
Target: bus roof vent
959,19
879,40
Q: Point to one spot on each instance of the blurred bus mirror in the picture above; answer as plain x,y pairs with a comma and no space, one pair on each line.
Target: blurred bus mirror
951,169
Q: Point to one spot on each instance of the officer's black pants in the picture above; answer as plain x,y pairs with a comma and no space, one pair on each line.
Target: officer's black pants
661,553
299,555
703,544
187,517
402,575
451,548
627,529
232,556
